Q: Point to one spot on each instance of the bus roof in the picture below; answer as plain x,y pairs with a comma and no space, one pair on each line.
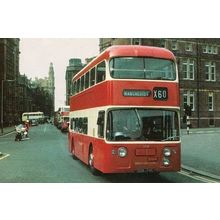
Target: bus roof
29,113
127,51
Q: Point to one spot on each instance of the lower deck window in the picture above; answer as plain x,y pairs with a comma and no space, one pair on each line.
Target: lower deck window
142,125
80,125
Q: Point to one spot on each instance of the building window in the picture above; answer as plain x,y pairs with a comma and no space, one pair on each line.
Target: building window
211,122
188,69
188,99
188,47
210,101
174,45
136,41
215,50
163,43
210,49
210,71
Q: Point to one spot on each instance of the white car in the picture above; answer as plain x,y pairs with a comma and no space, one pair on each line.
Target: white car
34,122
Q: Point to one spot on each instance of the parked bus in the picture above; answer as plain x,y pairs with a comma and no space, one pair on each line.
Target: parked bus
125,111
33,116
65,123
62,115
64,110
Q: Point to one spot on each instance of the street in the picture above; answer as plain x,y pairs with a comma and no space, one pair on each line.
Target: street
200,150
44,158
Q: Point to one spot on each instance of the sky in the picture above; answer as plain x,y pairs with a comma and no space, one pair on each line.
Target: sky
36,54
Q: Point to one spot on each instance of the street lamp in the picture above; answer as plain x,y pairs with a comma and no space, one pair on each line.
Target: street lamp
2,104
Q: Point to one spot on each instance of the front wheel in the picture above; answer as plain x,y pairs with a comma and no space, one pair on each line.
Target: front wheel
73,155
94,171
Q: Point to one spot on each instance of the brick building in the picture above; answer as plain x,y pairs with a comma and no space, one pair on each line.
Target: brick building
9,73
199,71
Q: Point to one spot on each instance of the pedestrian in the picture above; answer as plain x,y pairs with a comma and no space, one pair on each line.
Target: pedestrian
27,125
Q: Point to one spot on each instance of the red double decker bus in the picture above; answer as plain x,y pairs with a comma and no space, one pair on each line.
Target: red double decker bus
124,111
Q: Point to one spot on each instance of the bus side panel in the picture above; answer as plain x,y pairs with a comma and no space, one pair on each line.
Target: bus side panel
93,97
81,146
102,155
99,151
78,146
75,143
111,93
70,141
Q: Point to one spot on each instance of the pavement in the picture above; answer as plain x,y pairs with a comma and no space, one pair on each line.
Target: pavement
7,130
200,150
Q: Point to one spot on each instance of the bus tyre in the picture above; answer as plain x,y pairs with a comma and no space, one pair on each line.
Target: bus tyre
94,171
74,156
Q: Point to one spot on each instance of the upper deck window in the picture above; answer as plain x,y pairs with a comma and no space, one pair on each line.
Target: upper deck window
92,76
100,72
87,80
142,68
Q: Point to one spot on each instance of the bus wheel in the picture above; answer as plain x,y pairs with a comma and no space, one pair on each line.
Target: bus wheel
94,171
74,156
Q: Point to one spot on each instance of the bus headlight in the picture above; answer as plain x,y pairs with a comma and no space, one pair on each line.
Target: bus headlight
166,161
166,152
122,151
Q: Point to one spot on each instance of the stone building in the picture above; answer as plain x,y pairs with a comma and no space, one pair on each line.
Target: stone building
43,93
199,72
23,97
75,65
51,86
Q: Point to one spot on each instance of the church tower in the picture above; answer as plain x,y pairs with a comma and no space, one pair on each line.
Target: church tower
51,86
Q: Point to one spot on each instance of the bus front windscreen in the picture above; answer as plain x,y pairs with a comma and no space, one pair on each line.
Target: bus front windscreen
142,68
142,125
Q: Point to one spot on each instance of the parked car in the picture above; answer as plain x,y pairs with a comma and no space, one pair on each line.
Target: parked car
64,126
34,122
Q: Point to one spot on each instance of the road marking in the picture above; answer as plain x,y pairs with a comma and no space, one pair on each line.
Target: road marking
7,134
3,157
45,128
197,177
